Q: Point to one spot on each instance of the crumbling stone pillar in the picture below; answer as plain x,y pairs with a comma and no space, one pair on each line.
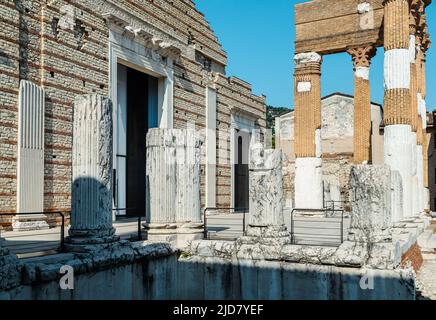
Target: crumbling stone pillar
371,203
308,171
362,103
91,196
266,224
370,237
173,185
398,139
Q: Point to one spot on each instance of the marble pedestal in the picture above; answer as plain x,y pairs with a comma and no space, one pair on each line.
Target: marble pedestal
30,222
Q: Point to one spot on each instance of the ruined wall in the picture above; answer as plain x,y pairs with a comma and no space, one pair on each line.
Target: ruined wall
64,48
163,276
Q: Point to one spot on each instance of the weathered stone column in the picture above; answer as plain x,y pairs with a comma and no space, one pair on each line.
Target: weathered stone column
173,185
414,111
398,145
308,164
91,216
266,224
362,103
371,203
422,45
420,166
370,236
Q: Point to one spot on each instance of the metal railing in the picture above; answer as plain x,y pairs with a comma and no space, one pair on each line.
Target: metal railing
325,210
62,235
139,217
335,204
239,210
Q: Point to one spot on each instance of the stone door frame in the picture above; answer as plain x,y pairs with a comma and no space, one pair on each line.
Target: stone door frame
238,122
132,54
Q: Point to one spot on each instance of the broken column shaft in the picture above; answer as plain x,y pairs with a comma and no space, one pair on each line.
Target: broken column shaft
266,222
91,216
173,185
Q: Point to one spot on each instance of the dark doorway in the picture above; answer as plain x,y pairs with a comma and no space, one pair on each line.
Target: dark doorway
137,127
241,178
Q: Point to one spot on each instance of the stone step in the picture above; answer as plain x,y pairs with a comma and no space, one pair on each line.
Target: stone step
424,238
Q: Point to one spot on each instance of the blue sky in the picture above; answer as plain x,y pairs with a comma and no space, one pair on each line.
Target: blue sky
258,36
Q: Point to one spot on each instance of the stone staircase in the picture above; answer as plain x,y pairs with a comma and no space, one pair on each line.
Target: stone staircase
426,279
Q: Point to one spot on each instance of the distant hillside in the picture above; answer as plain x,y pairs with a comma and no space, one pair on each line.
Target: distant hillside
271,114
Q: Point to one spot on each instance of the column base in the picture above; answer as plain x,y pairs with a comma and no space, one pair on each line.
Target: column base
308,183
79,240
30,222
266,235
263,243
379,255
178,234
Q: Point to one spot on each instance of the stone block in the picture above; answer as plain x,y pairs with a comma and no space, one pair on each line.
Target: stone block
173,185
371,203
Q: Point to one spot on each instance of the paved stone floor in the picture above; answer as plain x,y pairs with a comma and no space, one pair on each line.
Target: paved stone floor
308,230
426,278
34,243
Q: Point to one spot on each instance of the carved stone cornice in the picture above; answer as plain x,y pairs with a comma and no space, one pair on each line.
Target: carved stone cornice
158,46
362,56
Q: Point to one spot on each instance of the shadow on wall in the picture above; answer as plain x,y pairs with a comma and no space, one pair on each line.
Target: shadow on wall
212,278
92,201
169,277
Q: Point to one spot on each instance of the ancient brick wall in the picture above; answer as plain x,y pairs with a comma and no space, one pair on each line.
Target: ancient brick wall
73,61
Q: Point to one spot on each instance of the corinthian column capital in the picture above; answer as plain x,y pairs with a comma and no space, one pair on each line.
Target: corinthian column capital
362,56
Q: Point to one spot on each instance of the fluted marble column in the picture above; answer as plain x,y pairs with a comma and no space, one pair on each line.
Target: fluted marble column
398,140
308,163
91,216
422,45
173,185
362,103
30,158
416,122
